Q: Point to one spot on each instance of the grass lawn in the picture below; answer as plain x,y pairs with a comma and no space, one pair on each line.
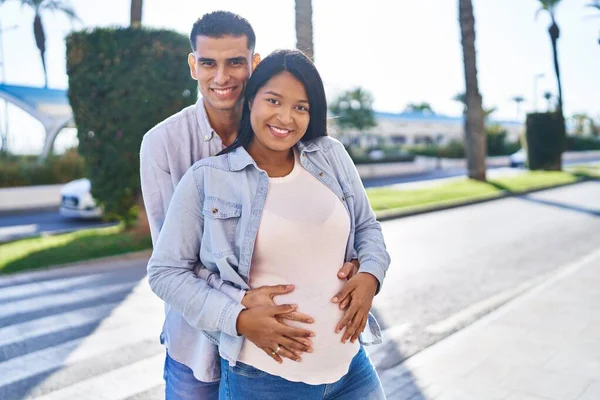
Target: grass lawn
585,170
384,200
50,250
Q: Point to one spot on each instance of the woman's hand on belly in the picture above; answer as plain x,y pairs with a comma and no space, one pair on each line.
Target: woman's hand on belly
357,297
262,326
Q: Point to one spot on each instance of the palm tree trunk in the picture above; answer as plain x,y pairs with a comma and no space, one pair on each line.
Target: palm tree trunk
554,35
136,13
40,41
475,145
304,27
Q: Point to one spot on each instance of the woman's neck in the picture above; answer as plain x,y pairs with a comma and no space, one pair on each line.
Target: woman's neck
275,163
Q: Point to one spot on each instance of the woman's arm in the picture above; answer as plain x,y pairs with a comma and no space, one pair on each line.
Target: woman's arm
175,258
357,295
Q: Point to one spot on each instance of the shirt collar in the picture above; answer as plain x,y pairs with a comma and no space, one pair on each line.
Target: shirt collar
206,130
240,159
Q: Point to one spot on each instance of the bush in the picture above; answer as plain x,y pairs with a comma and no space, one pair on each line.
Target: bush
122,82
579,143
25,171
390,154
454,149
546,140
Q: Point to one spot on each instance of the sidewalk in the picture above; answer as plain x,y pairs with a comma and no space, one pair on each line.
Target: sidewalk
543,345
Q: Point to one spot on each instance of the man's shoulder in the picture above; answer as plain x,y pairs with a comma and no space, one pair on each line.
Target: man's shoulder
173,124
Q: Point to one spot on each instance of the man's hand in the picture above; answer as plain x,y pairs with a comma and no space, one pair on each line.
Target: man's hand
263,296
358,295
261,326
348,270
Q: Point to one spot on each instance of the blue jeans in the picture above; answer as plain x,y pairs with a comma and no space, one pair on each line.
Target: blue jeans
181,384
246,382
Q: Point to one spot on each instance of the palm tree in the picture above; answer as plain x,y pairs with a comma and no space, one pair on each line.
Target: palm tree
596,5
136,13
475,145
518,100
304,28
550,7
39,6
423,108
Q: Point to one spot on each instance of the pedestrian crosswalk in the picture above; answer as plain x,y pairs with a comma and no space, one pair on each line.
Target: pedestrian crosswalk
81,333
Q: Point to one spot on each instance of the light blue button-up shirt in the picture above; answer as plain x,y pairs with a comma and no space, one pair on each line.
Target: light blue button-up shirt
213,220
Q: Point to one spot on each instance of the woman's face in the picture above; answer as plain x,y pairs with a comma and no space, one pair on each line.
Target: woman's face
279,113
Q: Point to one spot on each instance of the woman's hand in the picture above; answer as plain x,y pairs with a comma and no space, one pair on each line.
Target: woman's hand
356,297
261,325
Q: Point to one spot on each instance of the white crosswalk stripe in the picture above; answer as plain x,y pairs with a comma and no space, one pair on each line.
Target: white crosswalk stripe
35,348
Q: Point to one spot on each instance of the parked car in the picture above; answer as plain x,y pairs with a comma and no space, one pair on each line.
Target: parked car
77,201
518,159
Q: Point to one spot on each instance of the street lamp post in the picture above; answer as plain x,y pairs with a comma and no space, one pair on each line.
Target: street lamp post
4,135
535,81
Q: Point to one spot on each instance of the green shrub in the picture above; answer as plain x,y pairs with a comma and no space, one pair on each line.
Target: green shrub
122,82
25,171
546,140
582,143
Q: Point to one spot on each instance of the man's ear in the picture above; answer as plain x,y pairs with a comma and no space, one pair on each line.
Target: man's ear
192,64
255,61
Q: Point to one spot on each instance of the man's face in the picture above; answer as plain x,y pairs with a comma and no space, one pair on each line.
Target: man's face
222,67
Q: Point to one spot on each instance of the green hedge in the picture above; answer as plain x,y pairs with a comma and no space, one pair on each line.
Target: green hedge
582,143
546,140
25,171
122,82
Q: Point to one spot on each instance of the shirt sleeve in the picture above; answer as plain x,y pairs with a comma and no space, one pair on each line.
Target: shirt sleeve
368,237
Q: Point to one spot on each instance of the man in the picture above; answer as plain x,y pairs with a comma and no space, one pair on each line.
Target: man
222,60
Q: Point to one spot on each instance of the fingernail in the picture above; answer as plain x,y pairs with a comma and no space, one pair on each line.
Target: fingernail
342,274
337,330
298,352
309,350
335,299
310,320
312,335
298,360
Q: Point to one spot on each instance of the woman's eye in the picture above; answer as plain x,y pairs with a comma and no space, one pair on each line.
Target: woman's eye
302,108
272,101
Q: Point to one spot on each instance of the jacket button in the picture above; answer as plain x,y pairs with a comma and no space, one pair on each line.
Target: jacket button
215,210
321,174
303,154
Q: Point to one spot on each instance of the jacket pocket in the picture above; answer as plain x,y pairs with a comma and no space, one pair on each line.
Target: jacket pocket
221,220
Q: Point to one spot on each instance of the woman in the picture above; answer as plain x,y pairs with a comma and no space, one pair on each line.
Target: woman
284,202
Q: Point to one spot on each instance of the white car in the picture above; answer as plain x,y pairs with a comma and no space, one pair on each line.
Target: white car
76,200
518,159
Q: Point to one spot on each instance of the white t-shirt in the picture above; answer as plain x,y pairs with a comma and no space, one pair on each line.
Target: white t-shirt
302,241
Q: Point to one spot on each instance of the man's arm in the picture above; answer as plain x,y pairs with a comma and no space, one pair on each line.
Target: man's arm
157,191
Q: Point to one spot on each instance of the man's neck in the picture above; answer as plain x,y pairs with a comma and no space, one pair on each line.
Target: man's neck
225,122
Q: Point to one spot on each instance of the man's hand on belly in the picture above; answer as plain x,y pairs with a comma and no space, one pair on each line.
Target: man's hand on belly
263,296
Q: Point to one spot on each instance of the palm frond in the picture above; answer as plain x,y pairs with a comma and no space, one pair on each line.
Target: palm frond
60,6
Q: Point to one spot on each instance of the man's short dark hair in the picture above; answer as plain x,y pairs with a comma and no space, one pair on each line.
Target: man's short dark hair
222,23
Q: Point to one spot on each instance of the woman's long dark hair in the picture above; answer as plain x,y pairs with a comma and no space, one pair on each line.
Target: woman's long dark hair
299,65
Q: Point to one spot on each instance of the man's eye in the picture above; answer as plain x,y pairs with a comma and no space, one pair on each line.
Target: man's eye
207,64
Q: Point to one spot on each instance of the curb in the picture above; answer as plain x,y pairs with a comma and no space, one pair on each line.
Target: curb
103,263
387,215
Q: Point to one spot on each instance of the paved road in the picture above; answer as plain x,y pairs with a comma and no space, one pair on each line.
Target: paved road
92,332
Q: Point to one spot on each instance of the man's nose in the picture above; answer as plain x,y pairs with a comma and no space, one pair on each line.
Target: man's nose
221,76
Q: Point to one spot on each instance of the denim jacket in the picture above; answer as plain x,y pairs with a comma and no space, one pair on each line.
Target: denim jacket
211,226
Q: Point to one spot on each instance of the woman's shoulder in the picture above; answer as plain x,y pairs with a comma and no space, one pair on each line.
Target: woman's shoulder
219,162
328,143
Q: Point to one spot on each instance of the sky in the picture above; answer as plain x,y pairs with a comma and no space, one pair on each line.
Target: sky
401,51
